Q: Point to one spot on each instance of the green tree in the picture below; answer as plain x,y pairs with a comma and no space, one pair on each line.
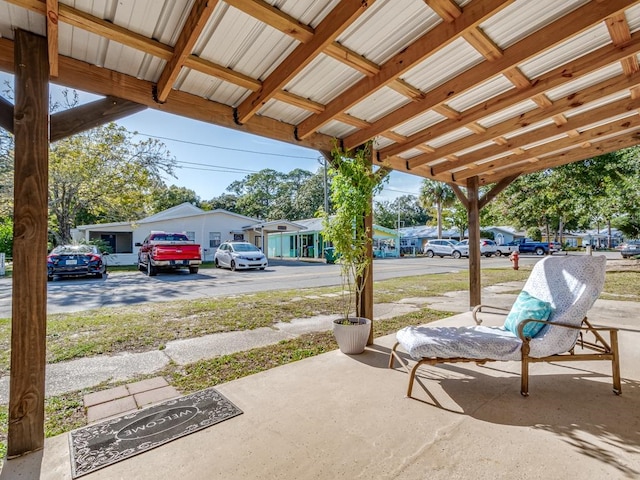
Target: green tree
438,194
257,193
167,197
6,237
225,201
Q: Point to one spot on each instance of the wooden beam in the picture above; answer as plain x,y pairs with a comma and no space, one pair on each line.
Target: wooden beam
446,9
620,34
352,59
483,44
223,73
581,120
103,28
89,78
557,77
6,114
274,17
52,36
433,41
616,127
536,43
569,156
460,195
29,308
336,22
90,115
495,191
473,213
195,23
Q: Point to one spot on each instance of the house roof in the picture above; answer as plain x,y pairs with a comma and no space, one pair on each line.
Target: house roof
447,89
179,211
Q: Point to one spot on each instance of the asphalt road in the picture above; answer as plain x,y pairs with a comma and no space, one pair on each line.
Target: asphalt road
128,288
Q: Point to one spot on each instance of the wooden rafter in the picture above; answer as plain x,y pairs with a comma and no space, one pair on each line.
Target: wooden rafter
579,121
575,155
195,23
447,9
52,36
542,40
342,16
274,17
89,78
620,36
611,128
587,64
433,41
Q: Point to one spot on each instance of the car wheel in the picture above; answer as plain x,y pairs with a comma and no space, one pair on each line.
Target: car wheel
456,254
261,268
487,255
539,251
49,278
99,275
193,270
151,270
233,265
217,263
430,253
498,253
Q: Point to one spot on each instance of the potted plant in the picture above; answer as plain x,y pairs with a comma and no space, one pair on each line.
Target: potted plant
353,185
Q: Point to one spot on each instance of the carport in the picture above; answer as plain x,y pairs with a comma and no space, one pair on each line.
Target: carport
469,92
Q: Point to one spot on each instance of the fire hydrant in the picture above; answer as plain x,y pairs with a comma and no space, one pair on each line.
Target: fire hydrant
514,257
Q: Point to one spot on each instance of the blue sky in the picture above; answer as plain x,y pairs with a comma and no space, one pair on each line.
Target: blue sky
210,158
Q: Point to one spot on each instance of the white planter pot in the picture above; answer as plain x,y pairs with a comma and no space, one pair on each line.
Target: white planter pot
352,338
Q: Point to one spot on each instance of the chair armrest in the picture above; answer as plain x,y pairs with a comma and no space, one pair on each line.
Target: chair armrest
479,308
565,325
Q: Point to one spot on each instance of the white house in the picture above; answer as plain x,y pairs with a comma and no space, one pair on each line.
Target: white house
207,228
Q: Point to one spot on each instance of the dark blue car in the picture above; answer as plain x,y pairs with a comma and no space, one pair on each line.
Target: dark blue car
75,260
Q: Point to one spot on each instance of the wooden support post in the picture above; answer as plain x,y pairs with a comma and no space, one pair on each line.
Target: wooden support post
365,299
29,320
473,213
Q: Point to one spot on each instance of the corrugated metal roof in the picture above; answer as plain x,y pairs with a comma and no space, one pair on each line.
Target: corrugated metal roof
357,72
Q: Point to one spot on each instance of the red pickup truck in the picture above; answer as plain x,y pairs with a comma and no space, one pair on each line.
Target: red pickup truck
162,250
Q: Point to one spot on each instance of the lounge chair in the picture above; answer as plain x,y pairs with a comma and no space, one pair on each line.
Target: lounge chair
568,285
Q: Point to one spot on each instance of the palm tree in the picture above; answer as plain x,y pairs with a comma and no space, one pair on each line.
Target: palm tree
439,194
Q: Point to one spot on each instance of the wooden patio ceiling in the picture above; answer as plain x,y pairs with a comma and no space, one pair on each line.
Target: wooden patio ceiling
447,89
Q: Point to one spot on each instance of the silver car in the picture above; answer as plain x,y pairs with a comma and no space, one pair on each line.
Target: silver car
240,255
487,247
445,247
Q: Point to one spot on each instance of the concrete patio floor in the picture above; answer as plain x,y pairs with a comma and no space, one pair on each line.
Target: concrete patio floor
345,417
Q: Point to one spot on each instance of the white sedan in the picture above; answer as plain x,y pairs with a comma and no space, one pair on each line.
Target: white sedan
240,255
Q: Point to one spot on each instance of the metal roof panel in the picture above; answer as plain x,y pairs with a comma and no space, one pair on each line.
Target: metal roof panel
378,104
387,27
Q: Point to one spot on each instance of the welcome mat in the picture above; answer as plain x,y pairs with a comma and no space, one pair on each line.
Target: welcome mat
111,441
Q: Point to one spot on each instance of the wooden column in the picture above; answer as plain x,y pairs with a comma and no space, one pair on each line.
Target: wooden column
365,300
473,212
29,320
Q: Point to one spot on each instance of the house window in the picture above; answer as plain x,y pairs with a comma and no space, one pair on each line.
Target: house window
214,239
191,236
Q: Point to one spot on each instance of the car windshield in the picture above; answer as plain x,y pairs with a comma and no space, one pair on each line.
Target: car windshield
74,249
245,247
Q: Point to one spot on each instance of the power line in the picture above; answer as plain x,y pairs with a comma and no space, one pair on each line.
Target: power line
208,145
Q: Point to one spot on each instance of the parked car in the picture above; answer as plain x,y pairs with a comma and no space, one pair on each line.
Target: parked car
487,247
240,255
507,248
168,251
631,249
446,247
75,260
